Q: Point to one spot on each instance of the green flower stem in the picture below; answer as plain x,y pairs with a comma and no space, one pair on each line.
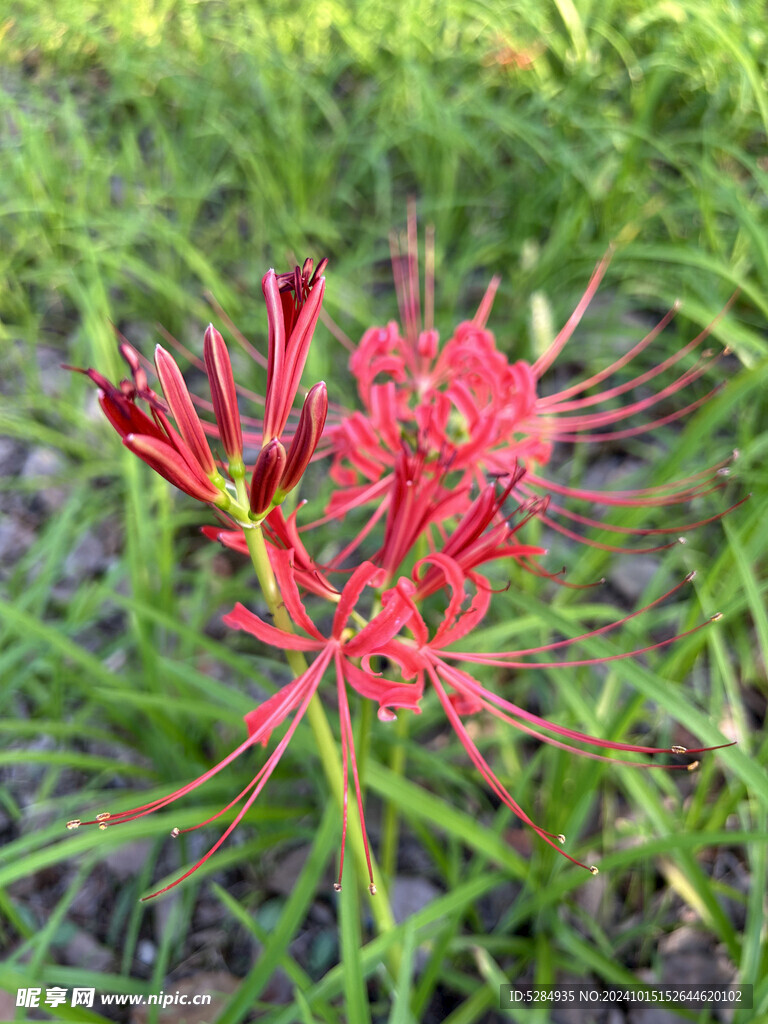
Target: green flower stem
326,745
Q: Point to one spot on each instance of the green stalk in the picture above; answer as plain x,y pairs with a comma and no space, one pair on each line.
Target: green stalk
326,744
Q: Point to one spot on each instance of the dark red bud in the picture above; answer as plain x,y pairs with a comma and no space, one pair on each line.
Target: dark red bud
307,436
267,473
125,416
289,340
131,356
223,393
165,460
276,352
183,411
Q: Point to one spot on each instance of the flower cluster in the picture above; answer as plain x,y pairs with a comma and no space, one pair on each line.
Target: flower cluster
182,454
446,457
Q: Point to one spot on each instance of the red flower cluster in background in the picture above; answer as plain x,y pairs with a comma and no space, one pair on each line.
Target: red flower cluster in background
446,459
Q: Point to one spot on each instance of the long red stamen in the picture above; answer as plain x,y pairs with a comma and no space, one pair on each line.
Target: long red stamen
600,545
618,364
556,577
463,682
643,497
643,428
491,779
545,361
271,722
429,278
642,531
266,773
596,419
501,659
542,737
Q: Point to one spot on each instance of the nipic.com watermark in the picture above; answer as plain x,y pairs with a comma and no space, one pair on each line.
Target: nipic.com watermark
585,997
50,998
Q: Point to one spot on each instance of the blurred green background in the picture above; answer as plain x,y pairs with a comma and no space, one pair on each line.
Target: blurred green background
155,154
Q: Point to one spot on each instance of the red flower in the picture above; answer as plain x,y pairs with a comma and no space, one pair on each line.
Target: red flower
223,393
293,306
294,698
468,696
181,456
438,423
344,648
341,650
477,414
181,453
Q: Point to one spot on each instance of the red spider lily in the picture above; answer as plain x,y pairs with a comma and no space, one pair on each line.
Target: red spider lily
267,473
338,650
181,453
343,647
438,423
293,307
223,393
292,698
306,438
417,658
473,410
468,696
179,457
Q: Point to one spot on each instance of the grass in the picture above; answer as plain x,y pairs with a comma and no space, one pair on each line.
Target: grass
164,151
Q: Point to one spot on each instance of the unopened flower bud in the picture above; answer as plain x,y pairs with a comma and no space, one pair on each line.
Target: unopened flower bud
267,473
222,383
131,356
182,409
166,461
124,416
305,440
292,323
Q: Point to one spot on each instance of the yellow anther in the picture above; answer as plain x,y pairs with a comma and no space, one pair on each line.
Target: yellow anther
372,889
75,823
175,833
104,816
593,870
678,750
